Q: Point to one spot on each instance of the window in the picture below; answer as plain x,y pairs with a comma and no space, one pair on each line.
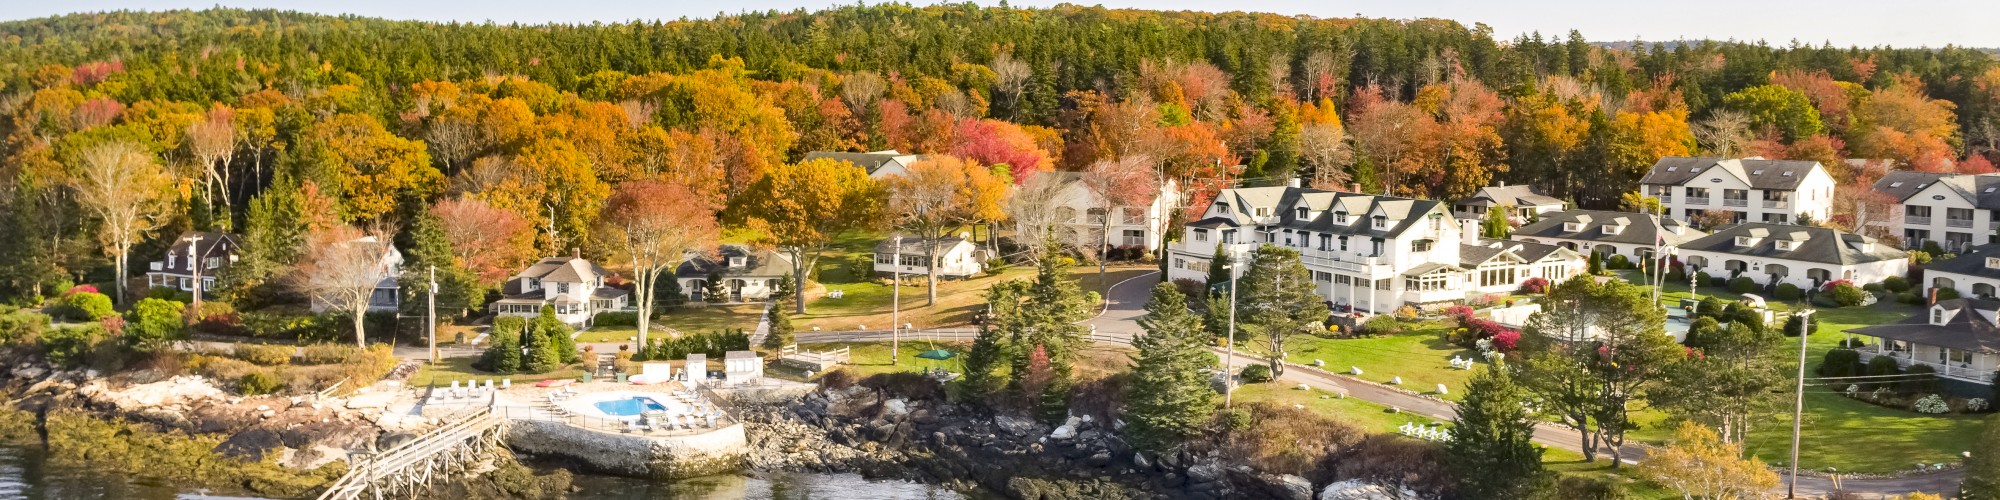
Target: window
1745,241
1382,284
1134,237
736,261
1937,315
1228,236
1426,283
1343,243
1343,279
1571,227
1787,245
1788,173
1201,235
1613,229
212,263
1377,250
1340,217
1420,246
883,258
562,287
1673,169
1381,222
1896,184
1299,213
1322,277
1993,262
1756,172
1263,211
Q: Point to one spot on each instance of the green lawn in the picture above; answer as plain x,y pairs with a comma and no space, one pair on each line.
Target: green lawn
1570,463
449,369
1370,417
687,319
1420,355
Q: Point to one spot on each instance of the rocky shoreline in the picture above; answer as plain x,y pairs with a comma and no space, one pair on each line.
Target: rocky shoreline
863,430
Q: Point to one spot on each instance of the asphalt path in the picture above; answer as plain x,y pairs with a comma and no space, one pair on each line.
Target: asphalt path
1126,302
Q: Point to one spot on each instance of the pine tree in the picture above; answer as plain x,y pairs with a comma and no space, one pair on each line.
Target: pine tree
1170,397
1277,299
1218,269
1491,450
990,349
503,346
556,335
1982,471
1495,226
712,292
424,246
780,334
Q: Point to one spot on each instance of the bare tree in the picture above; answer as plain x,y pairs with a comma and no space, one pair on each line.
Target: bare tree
860,89
1010,77
1035,207
656,225
1113,186
1723,133
454,135
1321,74
639,111
342,267
212,141
485,173
124,185
1324,147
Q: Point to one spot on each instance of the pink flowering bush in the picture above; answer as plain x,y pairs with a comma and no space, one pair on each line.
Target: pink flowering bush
1535,286
80,289
1507,341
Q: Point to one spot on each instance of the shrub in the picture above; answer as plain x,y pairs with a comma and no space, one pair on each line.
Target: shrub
1977,405
1788,291
1618,261
1848,295
1589,488
86,306
1792,325
1702,278
1881,365
1406,313
1256,374
1536,285
1282,439
1896,284
1923,380
152,323
1506,341
327,354
611,319
1910,298
257,383
1381,325
220,369
1919,257
173,294
85,288
22,326
1742,284
70,345
1932,404
1840,363
1944,294
266,355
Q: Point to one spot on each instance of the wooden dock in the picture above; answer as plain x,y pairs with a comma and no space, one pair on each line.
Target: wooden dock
406,470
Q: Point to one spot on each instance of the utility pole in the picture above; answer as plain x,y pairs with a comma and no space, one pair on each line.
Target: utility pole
1229,343
896,307
1799,404
430,318
194,261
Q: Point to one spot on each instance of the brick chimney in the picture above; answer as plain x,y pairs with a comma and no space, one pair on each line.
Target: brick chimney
1292,182
1931,296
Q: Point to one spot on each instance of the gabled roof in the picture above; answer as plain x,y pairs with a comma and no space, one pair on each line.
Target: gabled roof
1641,229
1982,190
211,244
757,263
1968,330
563,270
1970,263
1814,244
1321,204
1904,183
1517,195
1759,173
1471,256
870,161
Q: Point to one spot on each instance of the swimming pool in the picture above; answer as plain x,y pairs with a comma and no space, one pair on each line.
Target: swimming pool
629,407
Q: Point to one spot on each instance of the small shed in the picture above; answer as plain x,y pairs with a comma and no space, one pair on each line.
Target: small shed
738,366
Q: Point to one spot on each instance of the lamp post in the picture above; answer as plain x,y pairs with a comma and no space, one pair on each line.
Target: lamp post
896,307
1229,343
194,261
1799,404
430,316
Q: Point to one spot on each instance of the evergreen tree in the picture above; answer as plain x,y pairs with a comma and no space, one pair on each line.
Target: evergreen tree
201,214
1277,301
1495,226
1170,397
551,332
780,334
424,246
989,350
1492,450
1982,471
503,346
1218,269
712,292
1048,319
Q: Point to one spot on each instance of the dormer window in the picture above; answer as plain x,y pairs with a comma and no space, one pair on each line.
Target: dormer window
1746,241
1937,316
1896,184
736,261
1263,211
1613,229
1993,262
1571,227
1787,245
1381,222
1301,213
1340,217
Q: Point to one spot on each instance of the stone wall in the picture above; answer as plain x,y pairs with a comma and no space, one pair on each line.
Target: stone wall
660,457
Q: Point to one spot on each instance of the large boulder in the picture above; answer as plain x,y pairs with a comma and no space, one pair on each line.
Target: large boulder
1355,489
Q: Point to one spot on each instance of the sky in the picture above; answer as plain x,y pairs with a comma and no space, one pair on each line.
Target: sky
1903,23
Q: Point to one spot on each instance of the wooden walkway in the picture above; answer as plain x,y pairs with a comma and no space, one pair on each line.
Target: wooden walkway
404,471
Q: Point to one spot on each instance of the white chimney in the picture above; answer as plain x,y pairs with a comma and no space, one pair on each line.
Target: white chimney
1468,231
1292,182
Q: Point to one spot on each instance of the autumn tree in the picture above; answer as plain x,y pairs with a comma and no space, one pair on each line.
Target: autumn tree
1776,108
373,168
1701,465
1593,350
801,208
993,142
656,225
341,268
1036,209
935,196
126,188
212,141
488,241
1114,185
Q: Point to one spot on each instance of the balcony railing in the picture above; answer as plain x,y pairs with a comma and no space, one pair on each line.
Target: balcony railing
1344,262
1777,203
1958,222
1915,220
1666,198
1697,200
1733,202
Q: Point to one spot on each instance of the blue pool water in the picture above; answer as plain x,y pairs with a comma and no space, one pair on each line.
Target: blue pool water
629,407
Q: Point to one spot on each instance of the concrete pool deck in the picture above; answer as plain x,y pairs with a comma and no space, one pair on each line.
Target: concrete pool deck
574,428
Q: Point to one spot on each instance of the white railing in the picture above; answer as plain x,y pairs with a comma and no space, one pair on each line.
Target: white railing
1777,204
156,266
1958,222
1915,220
1735,202
1948,370
1697,200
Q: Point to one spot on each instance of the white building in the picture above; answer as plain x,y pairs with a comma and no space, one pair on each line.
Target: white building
1751,189
1955,211
1975,273
957,257
212,251
573,286
387,296
879,164
746,274
1371,253
1804,256
1131,226
1956,337
1526,203
1608,233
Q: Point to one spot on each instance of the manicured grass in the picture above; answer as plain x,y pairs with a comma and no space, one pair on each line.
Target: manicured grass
1570,463
703,319
871,303
1420,355
1370,417
449,369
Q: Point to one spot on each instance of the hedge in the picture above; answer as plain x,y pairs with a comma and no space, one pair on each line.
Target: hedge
1896,284
1788,291
1841,363
1742,284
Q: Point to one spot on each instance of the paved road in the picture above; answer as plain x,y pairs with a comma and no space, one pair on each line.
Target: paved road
1118,323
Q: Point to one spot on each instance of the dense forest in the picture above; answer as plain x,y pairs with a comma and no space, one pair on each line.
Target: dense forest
278,124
